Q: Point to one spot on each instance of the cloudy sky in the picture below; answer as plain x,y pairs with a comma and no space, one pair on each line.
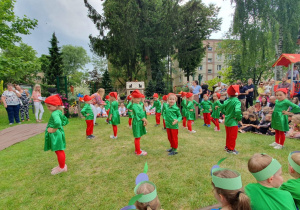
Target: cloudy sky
68,19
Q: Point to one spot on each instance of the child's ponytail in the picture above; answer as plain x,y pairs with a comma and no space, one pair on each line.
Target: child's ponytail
243,202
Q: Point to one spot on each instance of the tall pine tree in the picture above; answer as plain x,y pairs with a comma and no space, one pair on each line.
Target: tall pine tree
106,82
160,84
55,65
150,89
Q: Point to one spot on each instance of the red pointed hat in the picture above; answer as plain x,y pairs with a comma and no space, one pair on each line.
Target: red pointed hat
129,97
188,95
107,97
143,96
233,90
87,98
284,90
113,94
218,95
155,95
54,100
183,94
165,98
136,94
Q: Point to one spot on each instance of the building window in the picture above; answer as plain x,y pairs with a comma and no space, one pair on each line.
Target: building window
209,60
209,71
180,69
219,57
200,68
209,49
219,77
180,79
219,67
229,57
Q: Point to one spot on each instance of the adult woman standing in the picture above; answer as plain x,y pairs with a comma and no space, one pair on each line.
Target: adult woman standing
38,107
11,102
25,97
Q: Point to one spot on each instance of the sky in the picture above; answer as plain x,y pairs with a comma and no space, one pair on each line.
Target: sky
68,19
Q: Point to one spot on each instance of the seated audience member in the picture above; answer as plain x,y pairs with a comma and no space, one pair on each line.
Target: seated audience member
272,102
265,111
245,120
122,110
294,131
147,108
265,193
251,126
264,102
264,125
152,110
293,185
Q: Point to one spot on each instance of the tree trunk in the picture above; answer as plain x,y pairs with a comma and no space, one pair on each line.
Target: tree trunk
278,72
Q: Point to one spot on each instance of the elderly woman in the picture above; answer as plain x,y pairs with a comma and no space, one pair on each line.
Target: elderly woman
11,102
25,97
97,101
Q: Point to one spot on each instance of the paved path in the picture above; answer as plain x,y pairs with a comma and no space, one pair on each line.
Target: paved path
15,134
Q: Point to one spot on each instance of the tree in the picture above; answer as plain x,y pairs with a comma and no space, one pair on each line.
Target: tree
56,65
160,87
197,22
150,90
11,26
106,82
19,64
74,59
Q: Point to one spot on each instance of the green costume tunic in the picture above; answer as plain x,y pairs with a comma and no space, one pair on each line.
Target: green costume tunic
190,115
216,112
114,112
157,106
87,109
183,109
142,104
129,107
264,198
107,106
293,186
206,106
56,141
172,113
279,120
232,110
163,110
137,124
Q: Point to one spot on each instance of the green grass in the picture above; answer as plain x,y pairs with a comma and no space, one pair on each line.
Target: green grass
102,172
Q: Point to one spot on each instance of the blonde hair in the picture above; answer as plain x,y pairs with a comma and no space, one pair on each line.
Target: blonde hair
101,92
259,162
269,115
37,85
147,188
296,158
250,109
296,117
237,199
173,96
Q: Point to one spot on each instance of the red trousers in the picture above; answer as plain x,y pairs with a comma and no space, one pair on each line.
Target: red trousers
231,136
184,121
157,118
61,158
279,137
216,122
164,123
206,117
90,127
115,129
137,146
130,121
189,124
173,137
107,112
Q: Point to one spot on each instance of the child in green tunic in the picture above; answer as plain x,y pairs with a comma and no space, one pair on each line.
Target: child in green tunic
265,194
139,122
216,111
190,111
183,109
107,107
129,107
114,115
54,134
172,116
280,119
293,185
157,106
88,113
206,109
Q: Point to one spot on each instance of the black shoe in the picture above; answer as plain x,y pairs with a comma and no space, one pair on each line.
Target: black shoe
173,153
164,129
169,150
92,136
156,125
89,137
96,124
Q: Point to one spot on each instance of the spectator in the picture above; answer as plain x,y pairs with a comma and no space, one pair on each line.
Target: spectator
11,102
37,101
25,97
260,91
218,88
196,89
122,110
272,101
249,97
242,95
264,102
285,84
295,74
223,93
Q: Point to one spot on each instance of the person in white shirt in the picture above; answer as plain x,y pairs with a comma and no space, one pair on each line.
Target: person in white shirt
122,110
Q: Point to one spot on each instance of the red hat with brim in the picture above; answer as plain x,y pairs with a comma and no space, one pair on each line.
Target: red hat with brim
183,94
113,94
218,95
233,90
136,94
284,90
165,98
87,98
155,95
188,95
54,100
107,97
129,97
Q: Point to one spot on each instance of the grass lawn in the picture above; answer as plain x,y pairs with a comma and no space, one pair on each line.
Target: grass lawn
102,171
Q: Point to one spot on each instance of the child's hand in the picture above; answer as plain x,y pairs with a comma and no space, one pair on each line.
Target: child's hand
109,119
87,114
175,122
210,110
145,122
216,107
52,130
191,110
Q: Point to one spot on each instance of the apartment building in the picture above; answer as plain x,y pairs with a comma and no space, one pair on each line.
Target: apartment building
210,67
